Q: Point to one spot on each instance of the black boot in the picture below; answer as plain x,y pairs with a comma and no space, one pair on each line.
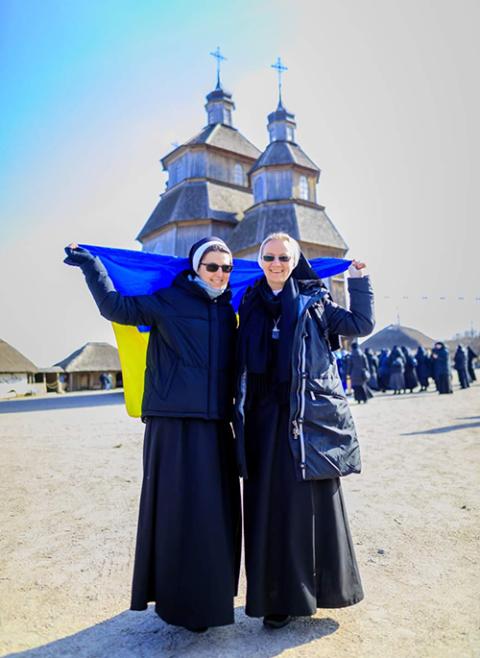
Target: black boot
276,621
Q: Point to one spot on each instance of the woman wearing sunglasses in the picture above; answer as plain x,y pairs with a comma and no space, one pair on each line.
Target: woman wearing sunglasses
295,436
188,538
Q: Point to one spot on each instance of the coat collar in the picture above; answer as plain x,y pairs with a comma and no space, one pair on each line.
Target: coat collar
182,281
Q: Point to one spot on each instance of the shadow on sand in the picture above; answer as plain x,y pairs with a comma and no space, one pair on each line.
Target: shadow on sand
144,634
388,395
67,401
444,430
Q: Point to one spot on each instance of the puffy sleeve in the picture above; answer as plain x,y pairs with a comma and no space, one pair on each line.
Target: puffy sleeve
132,310
359,320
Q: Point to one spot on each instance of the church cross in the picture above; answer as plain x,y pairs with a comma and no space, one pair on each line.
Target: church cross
280,68
219,57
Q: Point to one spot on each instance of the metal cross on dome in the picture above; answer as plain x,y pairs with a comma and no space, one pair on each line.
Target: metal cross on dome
220,58
280,68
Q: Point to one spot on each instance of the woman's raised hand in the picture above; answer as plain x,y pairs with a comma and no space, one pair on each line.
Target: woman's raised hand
77,255
356,269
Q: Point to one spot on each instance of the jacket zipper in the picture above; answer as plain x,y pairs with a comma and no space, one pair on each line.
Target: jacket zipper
298,421
303,385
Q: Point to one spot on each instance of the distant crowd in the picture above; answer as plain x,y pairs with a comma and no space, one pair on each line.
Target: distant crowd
401,370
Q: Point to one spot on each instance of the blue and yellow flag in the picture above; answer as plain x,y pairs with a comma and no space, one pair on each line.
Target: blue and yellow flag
141,273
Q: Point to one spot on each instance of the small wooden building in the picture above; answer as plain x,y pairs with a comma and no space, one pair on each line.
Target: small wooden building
86,367
52,378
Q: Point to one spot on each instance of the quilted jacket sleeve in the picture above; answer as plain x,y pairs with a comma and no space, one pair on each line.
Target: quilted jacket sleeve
132,310
360,319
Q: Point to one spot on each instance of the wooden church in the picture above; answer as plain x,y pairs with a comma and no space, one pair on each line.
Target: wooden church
219,183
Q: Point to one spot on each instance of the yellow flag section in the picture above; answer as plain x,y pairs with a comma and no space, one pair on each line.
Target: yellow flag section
132,350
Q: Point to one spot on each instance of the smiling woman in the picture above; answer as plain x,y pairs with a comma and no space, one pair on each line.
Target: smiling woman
295,436
188,550
212,263
278,256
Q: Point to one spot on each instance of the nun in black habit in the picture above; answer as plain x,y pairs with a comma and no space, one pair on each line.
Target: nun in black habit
442,372
373,369
471,356
383,370
460,365
299,553
411,378
359,374
188,537
423,367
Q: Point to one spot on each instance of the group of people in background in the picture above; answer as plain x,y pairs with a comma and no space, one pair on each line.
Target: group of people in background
401,370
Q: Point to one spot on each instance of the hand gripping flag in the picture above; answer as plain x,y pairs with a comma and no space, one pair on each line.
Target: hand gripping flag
142,273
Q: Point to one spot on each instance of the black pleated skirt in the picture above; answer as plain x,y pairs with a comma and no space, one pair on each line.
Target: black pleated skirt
189,530
299,554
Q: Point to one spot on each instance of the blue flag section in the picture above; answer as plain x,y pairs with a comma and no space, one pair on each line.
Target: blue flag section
142,273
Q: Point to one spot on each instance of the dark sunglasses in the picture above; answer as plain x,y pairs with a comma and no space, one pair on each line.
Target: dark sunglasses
270,259
213,267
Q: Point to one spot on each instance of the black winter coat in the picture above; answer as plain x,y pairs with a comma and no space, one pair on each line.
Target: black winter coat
191,349
358,367
423,366
441,362
322,435
460,358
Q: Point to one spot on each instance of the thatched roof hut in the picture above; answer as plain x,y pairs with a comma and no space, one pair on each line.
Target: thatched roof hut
13,361
17,373
85,365
396,334
92,357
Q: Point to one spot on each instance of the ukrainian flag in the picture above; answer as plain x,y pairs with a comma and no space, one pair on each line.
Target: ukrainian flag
141,273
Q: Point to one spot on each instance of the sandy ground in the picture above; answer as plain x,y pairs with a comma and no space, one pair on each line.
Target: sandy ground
69,488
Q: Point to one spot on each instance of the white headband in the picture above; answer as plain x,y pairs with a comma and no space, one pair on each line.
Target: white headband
197,256
294,249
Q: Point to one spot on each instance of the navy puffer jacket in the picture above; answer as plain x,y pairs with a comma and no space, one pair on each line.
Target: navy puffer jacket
190,356
322,434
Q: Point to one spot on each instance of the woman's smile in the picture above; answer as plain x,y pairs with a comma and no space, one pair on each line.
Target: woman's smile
218,279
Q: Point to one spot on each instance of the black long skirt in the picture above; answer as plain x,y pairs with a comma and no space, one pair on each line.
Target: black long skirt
189,530
299,554
444,383
362,393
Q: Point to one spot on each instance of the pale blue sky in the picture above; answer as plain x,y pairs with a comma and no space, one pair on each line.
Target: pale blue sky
93,94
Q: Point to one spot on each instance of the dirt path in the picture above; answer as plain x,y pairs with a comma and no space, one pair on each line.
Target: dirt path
69,487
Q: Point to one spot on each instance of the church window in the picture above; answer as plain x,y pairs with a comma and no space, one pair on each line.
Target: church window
258,189
238,174
289,134
303,185
180,169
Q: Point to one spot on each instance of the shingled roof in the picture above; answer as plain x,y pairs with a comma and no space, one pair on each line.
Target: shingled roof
396,334
92,357
308,223
220,136
197,200
11,360
284,153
